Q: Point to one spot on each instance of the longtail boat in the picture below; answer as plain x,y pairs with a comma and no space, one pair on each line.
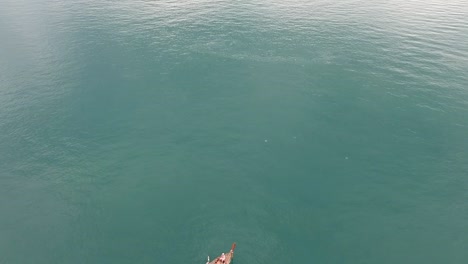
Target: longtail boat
224,258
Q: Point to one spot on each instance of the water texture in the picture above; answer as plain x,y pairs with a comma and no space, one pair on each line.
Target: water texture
162,131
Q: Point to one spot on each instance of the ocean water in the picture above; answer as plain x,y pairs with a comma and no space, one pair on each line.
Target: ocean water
162,131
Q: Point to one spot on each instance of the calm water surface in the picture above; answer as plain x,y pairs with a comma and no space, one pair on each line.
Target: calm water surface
162,131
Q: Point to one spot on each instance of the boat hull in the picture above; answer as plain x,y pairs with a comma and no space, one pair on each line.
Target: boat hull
228,257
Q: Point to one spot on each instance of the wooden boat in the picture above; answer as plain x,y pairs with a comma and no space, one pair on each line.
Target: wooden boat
227,257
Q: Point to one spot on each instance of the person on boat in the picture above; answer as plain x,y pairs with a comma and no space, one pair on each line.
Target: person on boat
222,258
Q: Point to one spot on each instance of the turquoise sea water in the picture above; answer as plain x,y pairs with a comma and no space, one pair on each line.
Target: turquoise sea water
163,131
